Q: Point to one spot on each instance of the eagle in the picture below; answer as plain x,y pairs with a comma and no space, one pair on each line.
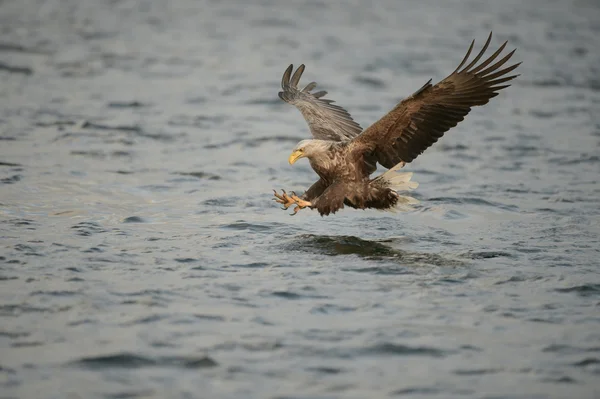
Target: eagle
344,156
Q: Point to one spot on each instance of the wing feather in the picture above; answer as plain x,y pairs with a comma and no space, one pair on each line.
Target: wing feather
326,121
420,120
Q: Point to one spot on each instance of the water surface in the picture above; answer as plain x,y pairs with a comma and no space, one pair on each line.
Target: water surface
142,255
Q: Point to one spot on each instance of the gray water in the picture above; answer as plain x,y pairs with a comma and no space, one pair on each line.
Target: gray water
142,255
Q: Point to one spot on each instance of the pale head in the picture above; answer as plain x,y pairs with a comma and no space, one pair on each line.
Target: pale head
308,149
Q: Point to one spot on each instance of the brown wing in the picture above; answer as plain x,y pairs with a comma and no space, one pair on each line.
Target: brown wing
325,120
421,119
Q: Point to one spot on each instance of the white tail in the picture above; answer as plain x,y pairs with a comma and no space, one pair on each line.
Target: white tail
400,182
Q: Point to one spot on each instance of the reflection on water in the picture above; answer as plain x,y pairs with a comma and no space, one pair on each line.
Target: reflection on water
382,249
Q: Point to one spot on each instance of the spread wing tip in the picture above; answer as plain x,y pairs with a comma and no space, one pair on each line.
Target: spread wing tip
472,67
285,79
289,80
289,84
325,120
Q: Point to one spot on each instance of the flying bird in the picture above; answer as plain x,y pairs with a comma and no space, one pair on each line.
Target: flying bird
344,156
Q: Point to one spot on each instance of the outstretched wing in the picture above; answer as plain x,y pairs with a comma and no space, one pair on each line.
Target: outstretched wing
421,119
325,120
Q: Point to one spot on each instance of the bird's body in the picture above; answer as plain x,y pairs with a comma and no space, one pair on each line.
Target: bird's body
344,156
344,179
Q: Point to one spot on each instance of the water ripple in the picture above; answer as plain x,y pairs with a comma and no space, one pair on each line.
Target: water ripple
133,361
585,290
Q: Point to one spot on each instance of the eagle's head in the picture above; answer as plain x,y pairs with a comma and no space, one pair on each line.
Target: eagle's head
310,149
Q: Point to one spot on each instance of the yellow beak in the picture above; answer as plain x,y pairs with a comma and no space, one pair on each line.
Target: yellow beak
294,157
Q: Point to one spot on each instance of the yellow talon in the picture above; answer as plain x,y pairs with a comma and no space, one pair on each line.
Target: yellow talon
283,199
288,201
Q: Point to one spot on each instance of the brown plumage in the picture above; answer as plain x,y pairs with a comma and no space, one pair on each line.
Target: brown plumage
344,158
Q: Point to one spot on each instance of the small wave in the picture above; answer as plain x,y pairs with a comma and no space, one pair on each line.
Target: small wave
384,270
26,344
416,391
19,222
254,141
487,254
14,334
380,349
277,139
199,121
88,228
209,317
186,260
273,22
518,279
101,154
128,129
146,320
99,126
450,148
7,370
11,180
252,265
150,292
473,201
157,188
370,82
242,225
225,144
16,69
10,164
549,320
144,393
200,175
134,219
588,361
17,310
569,349
476,372
519,151
542,114
18,48
332,309
582,290
228,201
325,370
560,380
263,101
56,293
130,104
388,348
294,295
28,250
133,361
583,159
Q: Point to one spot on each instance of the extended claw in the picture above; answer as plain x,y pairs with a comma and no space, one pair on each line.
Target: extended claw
300,204
283,199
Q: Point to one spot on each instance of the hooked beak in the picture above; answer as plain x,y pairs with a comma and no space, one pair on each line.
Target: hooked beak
295,156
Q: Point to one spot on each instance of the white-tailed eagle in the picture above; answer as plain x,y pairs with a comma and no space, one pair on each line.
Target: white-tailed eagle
344,156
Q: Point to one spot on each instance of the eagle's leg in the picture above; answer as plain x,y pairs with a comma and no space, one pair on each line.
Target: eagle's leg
283,199
300,203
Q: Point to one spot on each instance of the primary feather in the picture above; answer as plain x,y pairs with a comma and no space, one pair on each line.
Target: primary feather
325,120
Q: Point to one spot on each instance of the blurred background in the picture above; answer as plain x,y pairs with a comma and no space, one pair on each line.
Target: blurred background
142,255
